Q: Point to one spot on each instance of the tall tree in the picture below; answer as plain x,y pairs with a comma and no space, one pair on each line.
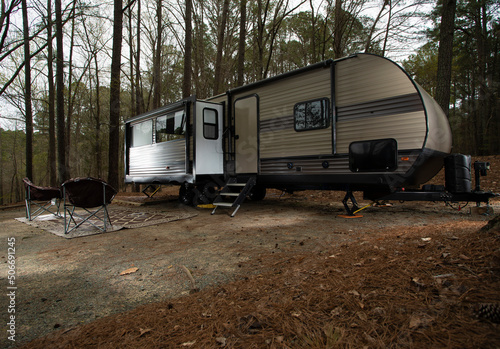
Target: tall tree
114,102
314,21
70,100
139,99
94,46
61,152
339,30
2,201
445,54
27,93
51,99
188,47
220,45
242,42
131,60
157,58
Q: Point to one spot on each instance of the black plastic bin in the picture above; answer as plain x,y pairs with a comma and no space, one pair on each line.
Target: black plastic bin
457,169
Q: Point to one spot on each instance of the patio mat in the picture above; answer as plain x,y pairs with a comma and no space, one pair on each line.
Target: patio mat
120,219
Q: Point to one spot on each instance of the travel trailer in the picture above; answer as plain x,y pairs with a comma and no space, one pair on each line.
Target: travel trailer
359,123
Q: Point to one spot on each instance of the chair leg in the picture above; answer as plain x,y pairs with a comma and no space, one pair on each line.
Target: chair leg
71,219
28,209
41,207
106,215
58,204
85,219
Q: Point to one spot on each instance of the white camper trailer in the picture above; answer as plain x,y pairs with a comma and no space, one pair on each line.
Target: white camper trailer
358,123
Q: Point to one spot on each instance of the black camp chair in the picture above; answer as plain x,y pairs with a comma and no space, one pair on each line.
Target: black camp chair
93,195
41,200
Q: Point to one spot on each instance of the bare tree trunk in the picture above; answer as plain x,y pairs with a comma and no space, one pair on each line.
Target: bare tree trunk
220,46
199,75
157,59
131,60
389,19
337,36
260,38
114,107
98,120
241,43
482,43
52,110
445,55
374,25
2,201
313,33
70,100
61,167
188,47
12,196
138,88
280,13
27,93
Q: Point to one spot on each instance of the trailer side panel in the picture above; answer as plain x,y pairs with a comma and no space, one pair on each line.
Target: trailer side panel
375,99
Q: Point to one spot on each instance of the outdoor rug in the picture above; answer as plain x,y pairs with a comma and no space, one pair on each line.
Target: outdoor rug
121,218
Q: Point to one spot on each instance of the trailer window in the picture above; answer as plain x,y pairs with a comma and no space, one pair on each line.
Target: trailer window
311,115
210,124
170,127
142,133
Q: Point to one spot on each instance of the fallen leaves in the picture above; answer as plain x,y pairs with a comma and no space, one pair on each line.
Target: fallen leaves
129,271
420,320
188,344
142,332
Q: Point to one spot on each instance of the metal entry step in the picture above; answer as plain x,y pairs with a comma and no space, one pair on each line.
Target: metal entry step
233,194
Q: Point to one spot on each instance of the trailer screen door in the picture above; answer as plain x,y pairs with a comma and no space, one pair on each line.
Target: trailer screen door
209,154
246,142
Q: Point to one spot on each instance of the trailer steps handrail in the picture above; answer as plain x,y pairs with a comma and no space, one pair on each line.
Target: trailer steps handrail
236,190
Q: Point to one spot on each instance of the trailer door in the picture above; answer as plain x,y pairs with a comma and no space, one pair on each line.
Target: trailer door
246,111
209,157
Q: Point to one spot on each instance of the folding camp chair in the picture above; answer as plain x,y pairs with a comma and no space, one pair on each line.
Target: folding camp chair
93,196
41,199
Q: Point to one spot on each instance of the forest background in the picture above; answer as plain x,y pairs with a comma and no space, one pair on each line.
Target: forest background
73,71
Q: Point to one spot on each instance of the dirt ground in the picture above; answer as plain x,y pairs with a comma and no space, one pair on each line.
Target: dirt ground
286,272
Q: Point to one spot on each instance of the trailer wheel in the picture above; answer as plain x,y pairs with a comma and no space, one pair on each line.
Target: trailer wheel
205,193
211,190
257,193
186,194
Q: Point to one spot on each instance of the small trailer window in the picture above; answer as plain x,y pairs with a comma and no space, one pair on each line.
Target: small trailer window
311,115
142,133
210,124
170,127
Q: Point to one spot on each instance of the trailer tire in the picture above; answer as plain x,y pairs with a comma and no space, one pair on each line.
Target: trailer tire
198,197
211,191
258,193
186,194
205,193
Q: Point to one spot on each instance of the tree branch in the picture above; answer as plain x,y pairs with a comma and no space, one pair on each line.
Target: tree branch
130,4
18,70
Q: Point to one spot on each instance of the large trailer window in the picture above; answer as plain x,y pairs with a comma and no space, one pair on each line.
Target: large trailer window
170,127
142,133
311,115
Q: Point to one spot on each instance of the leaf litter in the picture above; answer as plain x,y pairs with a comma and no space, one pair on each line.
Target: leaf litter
394,295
